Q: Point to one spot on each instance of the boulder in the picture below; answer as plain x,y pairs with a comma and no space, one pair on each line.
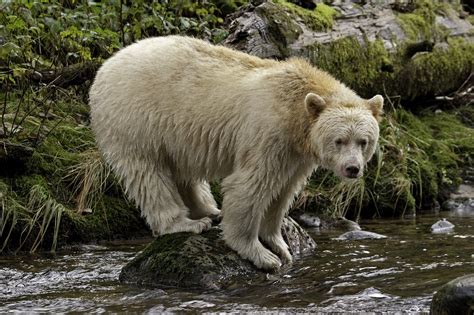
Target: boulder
442,226
359,235
202,261
415,49
456,297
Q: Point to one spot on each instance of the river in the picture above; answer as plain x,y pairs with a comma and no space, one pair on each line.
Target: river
397,274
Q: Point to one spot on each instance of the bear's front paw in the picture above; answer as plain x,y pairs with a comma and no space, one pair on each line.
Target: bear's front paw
261,257
266,260
278,246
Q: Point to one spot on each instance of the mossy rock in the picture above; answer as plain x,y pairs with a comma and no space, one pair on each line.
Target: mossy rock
456,297
372,49
202,261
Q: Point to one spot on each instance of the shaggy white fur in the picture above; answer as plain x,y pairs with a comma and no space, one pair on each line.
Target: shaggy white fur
172,113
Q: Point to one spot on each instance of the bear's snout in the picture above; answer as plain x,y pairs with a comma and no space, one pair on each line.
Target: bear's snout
351,171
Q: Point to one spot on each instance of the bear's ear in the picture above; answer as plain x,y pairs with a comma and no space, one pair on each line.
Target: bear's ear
315,104
376,106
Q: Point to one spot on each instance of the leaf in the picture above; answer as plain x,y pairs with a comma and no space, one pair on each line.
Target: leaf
9,49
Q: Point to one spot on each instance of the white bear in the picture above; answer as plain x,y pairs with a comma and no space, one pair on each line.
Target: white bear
172,113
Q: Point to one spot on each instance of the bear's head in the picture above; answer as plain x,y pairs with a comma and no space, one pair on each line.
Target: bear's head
345,132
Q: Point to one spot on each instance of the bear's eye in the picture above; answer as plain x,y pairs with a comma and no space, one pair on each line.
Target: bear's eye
339,141
363,142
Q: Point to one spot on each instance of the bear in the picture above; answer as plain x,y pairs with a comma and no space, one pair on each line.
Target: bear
172,113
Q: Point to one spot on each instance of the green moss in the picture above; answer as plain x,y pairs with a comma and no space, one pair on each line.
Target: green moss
228,6
319,19
368,67
361,66
202,261
454,135
444,69
281,26
111,218
470,18
419,24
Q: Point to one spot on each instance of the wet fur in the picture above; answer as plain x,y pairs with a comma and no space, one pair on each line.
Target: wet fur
172,113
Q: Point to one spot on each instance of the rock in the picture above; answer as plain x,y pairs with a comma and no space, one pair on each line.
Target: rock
298,240
341,223
464,191
202,261
450,205
370,47
442,226
455,297
359,235
307,4
308,220
462,208
14,157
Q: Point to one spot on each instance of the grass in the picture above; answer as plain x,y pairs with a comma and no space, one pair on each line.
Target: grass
90,178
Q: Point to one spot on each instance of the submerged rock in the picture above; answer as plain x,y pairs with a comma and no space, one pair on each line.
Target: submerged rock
359,235
202,261
341,223
460,208
455,297
442,226
308,220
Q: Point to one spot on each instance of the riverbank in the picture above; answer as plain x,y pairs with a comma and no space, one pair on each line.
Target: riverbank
56,190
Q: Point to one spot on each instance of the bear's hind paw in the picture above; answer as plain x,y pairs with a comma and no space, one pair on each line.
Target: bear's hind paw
201,225
189,225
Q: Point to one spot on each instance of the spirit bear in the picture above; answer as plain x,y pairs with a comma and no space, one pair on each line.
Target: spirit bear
172,113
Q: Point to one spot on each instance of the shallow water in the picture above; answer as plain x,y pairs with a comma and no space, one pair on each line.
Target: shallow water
397,274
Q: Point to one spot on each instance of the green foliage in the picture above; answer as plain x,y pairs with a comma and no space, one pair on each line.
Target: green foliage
319,19
39,35
51,170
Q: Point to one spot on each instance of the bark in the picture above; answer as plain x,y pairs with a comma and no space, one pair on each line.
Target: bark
75,74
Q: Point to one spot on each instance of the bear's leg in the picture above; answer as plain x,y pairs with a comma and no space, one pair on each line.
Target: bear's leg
246,197
270,228
198,198
156,193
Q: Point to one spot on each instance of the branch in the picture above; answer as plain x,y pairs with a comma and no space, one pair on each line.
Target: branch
75,74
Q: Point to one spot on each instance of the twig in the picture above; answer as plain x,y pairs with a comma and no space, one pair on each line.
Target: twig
51,130
17,111
465,82
5,99
122,32
28,112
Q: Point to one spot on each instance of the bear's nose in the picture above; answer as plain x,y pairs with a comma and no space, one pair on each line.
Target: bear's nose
352,171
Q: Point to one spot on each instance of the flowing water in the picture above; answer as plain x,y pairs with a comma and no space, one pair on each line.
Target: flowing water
397,274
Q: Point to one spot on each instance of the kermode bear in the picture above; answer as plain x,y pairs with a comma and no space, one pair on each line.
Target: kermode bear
172,113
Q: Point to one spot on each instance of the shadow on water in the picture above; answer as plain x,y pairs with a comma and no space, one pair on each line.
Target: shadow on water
399,274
